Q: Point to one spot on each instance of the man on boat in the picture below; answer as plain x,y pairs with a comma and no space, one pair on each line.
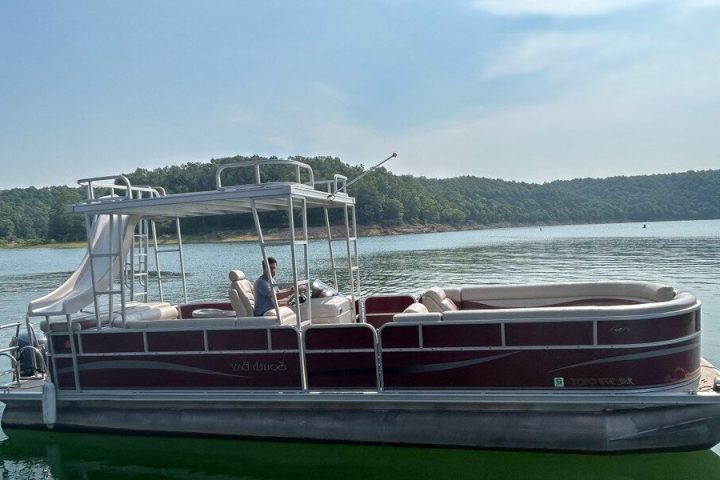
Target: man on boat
263,289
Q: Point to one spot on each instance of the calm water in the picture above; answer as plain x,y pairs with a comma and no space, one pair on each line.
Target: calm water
683,254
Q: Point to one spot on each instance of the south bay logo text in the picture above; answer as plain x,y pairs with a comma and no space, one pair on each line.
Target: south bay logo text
258,366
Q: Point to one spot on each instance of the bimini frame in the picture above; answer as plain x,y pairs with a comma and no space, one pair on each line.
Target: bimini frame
265,194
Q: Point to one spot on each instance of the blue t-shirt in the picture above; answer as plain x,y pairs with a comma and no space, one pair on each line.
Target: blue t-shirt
263,296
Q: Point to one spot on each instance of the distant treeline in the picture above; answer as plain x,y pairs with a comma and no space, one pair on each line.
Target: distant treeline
31,215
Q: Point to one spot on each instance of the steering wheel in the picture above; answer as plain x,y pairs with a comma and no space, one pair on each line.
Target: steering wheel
292,299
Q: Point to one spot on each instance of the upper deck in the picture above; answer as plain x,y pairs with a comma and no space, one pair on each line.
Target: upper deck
225,199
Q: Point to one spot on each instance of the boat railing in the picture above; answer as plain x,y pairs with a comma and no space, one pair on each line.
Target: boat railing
257,164
118,183
37,354
374,351
338,184
12,354
324,346
92,183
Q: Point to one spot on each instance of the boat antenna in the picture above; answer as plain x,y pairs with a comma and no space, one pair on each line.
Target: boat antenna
365,173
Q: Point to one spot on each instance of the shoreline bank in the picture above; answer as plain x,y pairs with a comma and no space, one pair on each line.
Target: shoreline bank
320,232
232,236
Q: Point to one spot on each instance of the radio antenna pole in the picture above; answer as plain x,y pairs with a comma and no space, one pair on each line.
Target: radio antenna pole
369,170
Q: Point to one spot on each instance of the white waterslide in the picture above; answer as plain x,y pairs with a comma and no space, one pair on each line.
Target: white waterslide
77,291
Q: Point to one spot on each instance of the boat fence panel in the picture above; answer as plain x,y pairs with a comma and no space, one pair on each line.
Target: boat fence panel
341,357
648,329
462,356
549,333
244,359
379,309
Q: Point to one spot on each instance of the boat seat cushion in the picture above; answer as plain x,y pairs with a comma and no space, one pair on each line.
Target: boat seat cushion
287,315
241,294
682,301
180,323
436,300
146,313
150,311
212,313
203,322
418,317
416,307
134,311
541,294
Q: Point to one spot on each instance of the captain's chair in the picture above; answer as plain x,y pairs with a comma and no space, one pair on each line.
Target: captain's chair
242,298
241,294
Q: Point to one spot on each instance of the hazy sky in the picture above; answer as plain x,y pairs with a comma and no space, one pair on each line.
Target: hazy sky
532,90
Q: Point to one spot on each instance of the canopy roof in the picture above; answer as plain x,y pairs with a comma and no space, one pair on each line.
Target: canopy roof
148,202
229,200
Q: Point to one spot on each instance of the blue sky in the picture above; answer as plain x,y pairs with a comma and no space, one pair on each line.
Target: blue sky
519,90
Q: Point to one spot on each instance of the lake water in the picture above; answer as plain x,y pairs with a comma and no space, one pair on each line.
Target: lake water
685,255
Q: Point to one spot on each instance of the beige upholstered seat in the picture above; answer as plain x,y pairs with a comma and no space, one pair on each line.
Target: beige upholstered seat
416,307
436,301
417,312
241,294
242,298
287,315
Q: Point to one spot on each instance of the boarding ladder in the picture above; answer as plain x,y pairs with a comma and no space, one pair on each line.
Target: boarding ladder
352,264
178,249
137,265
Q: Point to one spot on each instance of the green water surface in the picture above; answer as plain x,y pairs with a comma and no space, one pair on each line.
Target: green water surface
27,454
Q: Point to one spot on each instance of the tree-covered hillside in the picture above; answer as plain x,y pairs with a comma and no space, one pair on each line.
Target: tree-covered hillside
40,215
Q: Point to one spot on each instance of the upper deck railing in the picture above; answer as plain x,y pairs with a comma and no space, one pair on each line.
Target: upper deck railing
257,164
110,183
337,185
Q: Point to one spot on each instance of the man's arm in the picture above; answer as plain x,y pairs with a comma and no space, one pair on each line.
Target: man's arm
284,293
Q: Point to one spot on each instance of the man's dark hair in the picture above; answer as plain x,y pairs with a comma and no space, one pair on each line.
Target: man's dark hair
270,261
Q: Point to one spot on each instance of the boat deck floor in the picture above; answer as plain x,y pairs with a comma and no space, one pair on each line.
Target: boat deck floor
709,375
27,385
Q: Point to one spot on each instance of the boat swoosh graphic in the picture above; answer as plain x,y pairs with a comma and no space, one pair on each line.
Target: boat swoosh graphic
141,364
630,356
438,367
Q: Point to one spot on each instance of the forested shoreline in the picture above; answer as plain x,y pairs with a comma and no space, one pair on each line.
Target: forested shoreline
39,215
